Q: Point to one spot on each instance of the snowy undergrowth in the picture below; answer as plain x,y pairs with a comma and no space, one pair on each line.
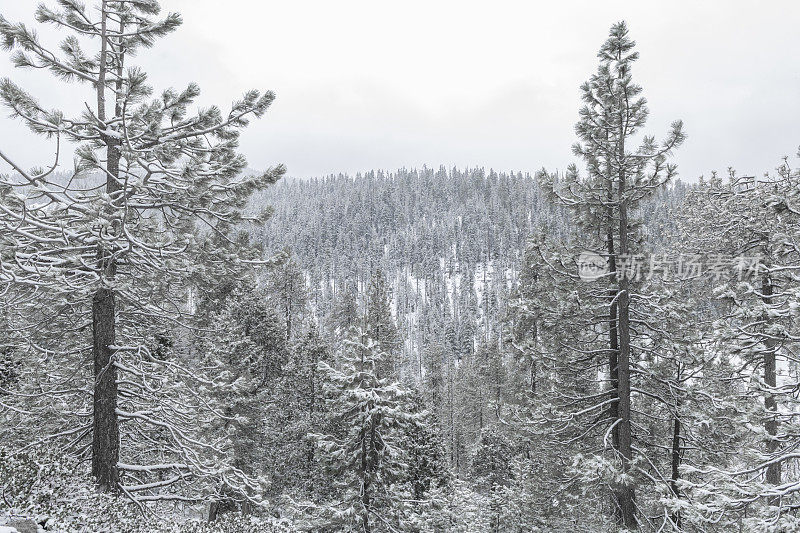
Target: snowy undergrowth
56,492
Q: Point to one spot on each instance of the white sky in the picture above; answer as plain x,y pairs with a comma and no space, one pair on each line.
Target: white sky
378,84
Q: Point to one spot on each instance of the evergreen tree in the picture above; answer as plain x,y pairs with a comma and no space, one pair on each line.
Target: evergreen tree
749,237
286,284
492,466
617,178
236,354
160,193
366,454
344,313
427,467
380,323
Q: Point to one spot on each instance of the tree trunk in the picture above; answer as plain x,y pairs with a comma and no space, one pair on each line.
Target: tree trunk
366,478
312,403
105,442
625,495
289,289
770,380
676,458
105,423
613,343
213,511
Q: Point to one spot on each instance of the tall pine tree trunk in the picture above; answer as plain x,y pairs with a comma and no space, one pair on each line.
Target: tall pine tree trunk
533,356
105,442
625,492
621,498
105,423
613,342
676,462
770,380
676,453
367,448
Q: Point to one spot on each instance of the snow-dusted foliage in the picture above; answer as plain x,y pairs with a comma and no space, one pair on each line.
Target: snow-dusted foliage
449,351
100,267
365,451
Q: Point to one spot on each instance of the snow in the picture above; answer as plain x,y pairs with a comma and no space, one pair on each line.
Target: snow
114,134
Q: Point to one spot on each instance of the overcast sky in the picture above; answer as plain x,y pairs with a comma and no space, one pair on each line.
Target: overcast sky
375,84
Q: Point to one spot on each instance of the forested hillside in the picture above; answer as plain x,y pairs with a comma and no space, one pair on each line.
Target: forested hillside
191,346
449,243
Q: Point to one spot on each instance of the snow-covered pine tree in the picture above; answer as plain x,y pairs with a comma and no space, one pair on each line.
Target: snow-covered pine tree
344,313
236,394
617,177
676,373
553,333
427,466
286,285
492,466
306,381
380,323
749,227
151,203
366,453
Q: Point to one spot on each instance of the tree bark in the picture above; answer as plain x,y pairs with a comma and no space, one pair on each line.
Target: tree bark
105,441
770,380
613,342
213,511
676,458
366,476
105,423
625,493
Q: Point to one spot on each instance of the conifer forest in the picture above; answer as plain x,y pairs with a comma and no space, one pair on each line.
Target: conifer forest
191,345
